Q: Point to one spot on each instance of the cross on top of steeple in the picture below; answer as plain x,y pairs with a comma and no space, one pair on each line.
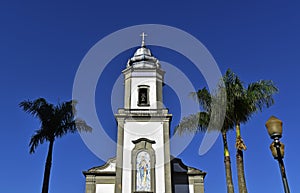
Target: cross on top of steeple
143,35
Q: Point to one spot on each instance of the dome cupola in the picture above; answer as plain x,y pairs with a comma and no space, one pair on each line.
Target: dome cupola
143,58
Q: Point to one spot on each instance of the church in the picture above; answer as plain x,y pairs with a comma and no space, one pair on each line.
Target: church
143,163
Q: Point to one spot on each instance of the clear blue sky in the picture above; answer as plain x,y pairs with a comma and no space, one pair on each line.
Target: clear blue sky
43,43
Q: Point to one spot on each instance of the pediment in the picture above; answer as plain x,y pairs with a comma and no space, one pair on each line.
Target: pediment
108,168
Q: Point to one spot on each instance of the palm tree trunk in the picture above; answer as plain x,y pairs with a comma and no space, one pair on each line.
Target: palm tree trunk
48,168
228,173
240,146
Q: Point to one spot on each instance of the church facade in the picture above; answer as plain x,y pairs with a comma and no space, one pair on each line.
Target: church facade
143,162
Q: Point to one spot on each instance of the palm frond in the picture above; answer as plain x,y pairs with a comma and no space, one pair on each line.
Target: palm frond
81,125
233,100
32,106
38,108
193,123
38,138
65,113
203,97
56,121
261,94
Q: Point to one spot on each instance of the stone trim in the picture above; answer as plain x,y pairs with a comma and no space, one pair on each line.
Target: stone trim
119,158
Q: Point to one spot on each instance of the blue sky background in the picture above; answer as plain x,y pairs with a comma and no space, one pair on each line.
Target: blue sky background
43,43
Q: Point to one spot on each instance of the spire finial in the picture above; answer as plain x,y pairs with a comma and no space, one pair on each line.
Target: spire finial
143,35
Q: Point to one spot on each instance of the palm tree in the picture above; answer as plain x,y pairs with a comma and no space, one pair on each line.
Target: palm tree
241,104
56,121
200,122
257,96
240,113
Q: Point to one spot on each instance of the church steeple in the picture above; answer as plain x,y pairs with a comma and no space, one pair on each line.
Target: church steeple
143,128
143,79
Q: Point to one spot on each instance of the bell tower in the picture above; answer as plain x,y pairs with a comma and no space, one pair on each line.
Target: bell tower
143,152
143,78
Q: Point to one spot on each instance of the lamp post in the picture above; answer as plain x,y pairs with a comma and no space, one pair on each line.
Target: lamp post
274,126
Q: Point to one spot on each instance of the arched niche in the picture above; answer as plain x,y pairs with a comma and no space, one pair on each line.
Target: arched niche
143,166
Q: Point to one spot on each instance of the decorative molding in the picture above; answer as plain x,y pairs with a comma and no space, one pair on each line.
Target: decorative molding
143,139
109,169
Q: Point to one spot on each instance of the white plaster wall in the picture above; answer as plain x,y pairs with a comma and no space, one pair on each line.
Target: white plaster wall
105,188
191,188
110,168
152,131
149,81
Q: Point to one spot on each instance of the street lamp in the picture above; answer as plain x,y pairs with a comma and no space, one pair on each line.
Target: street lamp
274,126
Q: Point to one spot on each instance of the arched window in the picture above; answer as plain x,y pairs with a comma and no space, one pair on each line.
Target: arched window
143,95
